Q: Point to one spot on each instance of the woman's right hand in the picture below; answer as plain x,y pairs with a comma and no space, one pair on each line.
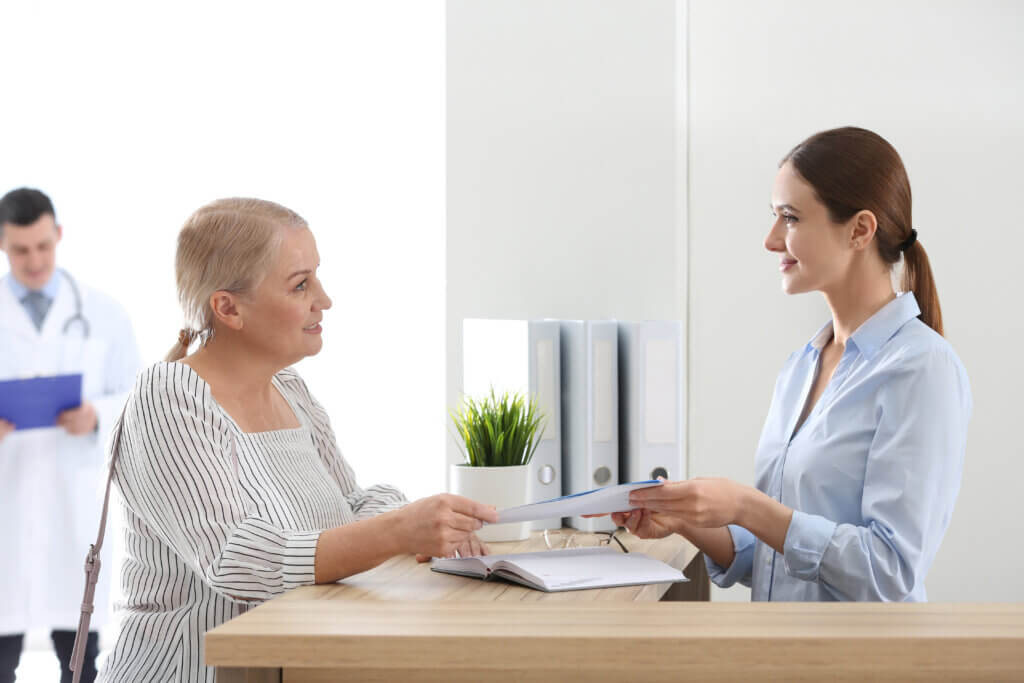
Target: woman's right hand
438,525
643,523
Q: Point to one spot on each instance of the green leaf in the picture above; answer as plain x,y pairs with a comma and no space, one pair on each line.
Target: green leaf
498,431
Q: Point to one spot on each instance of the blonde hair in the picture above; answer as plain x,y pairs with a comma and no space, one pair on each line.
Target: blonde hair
227,245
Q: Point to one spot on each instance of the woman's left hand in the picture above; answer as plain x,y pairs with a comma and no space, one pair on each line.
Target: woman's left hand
698,502
471,547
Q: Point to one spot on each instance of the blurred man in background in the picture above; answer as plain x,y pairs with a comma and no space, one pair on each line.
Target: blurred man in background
50,324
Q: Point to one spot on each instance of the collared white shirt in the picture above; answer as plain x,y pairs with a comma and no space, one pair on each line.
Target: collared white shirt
873,473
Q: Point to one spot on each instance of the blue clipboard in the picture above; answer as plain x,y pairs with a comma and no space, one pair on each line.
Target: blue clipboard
35,403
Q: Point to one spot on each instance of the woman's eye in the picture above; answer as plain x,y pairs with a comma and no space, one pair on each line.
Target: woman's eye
789,218
301,286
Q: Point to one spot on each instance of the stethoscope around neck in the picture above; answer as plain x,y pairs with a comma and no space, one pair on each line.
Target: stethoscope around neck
77,317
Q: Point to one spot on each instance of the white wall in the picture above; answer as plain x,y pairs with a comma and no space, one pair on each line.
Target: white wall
560,193
562,184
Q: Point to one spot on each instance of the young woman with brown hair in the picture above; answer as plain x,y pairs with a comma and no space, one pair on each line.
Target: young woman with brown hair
859,462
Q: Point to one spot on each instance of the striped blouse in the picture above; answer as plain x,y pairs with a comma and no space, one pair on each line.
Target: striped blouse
217,519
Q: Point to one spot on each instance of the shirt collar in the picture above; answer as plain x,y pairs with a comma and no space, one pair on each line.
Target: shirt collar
49,289
876,330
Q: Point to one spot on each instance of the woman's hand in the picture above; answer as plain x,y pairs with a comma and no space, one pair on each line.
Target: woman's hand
701,503
439,525
646,524
473,547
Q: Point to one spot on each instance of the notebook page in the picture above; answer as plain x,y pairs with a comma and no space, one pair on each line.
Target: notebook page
579,568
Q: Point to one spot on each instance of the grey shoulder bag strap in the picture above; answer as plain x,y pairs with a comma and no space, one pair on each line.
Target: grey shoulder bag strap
92,565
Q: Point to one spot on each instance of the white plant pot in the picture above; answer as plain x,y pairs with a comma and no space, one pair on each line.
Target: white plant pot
502,487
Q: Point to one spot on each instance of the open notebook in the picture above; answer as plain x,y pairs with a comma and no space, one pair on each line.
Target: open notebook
565,570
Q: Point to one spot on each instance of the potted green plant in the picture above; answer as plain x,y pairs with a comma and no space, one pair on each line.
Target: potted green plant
498,435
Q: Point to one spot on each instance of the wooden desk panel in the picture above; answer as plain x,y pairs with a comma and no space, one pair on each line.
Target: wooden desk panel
321,640
402,622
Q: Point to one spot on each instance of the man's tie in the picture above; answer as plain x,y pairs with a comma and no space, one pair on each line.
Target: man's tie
37,305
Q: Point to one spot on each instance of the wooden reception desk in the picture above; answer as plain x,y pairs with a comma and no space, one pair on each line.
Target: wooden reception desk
402,622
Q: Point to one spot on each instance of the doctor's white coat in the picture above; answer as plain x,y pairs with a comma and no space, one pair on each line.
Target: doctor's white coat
51,482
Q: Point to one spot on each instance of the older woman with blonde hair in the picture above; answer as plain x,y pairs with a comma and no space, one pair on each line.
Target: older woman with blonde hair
233,489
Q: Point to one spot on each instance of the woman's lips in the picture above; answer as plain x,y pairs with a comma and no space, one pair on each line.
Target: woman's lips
785,264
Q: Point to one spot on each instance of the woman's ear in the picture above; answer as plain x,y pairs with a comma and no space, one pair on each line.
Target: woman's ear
226,310
864,224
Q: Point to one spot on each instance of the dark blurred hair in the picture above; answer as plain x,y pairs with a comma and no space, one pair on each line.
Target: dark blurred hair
853,169
24,206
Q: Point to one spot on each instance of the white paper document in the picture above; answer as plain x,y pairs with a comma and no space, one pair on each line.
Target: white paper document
565,570
596,502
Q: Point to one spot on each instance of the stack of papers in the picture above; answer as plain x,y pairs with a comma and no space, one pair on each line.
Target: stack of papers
565,570
597,502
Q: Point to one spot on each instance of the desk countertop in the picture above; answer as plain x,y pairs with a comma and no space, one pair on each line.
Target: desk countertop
403,622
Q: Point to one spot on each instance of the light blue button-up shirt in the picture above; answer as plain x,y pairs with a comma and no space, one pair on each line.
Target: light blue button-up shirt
873,473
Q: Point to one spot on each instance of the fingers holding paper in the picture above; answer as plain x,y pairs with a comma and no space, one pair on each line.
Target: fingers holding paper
697,502
439,525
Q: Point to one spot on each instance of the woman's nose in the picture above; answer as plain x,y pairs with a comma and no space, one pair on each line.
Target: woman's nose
323,301
774,241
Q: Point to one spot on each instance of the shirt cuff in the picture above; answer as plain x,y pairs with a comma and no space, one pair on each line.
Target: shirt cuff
300,559
806,540
742,562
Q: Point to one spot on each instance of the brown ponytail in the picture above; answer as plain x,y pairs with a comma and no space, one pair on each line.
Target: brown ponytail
917,278
853,169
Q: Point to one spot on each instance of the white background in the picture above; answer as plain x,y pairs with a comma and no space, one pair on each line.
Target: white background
132,115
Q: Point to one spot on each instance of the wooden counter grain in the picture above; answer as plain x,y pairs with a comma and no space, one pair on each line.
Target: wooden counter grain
402,622
325,640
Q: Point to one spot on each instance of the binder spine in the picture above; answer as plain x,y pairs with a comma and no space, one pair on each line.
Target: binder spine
651,401
546,477
590,411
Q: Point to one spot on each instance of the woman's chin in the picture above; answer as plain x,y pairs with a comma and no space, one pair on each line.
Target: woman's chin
792,286
314,345
308,347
